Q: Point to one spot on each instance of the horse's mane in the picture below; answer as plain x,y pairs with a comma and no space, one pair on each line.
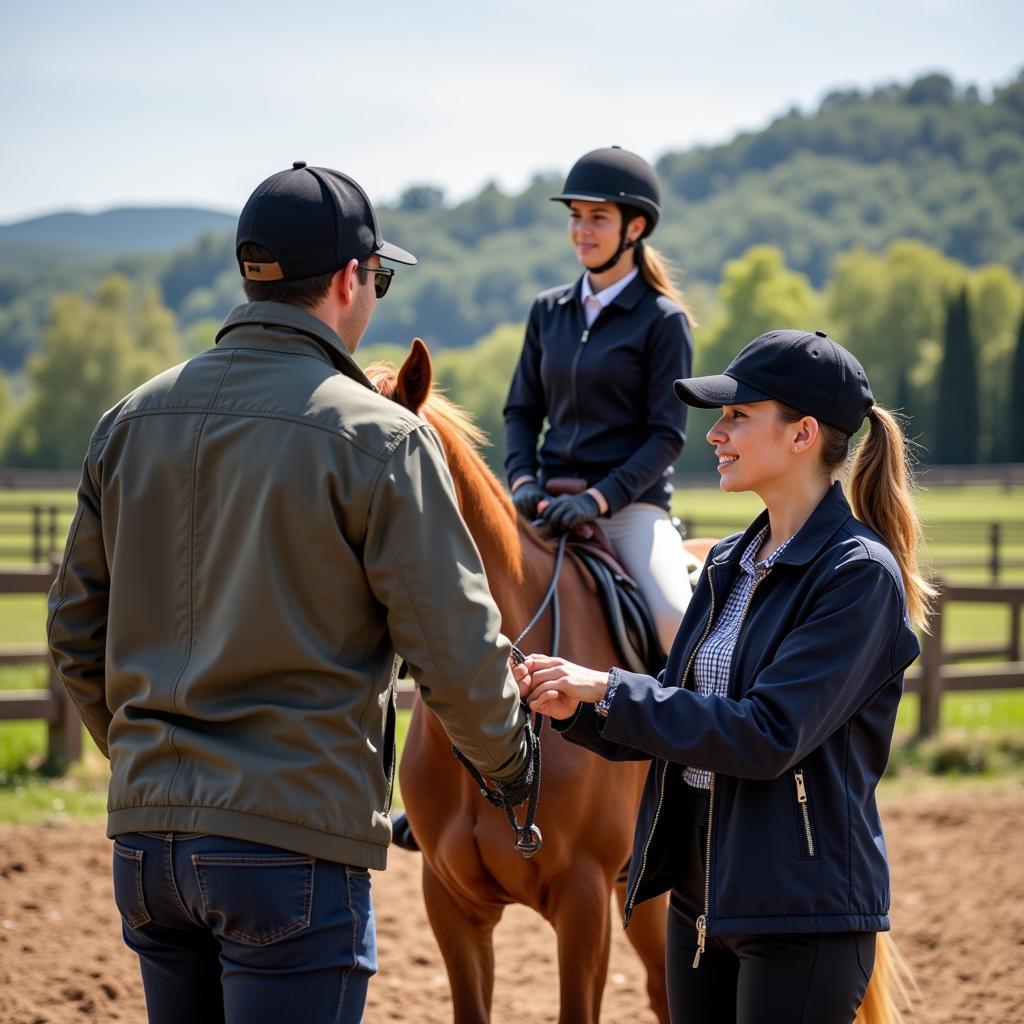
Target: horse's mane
485,503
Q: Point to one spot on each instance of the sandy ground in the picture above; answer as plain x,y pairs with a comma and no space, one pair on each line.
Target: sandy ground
958,916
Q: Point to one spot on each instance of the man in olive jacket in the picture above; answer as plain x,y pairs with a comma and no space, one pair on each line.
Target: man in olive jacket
258,533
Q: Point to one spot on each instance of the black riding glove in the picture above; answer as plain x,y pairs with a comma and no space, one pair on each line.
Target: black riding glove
526,497
569,510
517,789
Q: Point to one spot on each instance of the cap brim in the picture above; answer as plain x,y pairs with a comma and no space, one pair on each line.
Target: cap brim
717,390
388,251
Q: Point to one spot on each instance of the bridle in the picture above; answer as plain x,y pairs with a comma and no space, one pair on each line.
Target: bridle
528,838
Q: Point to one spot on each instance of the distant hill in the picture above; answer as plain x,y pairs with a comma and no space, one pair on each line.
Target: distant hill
126,229
931,160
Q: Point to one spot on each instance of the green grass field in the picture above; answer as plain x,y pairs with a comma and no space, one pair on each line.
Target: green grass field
25,796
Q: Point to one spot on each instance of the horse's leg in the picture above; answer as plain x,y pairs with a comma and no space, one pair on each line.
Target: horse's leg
464,932
580,913
646,934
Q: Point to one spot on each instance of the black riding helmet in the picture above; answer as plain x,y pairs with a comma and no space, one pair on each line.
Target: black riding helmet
615,175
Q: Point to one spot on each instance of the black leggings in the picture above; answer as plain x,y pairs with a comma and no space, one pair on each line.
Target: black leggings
807,978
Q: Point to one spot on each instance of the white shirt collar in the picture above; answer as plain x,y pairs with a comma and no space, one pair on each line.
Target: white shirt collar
606,295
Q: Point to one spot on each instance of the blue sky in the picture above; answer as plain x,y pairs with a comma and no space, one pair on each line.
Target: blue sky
111,103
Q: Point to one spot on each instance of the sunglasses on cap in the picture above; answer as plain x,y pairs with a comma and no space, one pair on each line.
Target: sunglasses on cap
381,278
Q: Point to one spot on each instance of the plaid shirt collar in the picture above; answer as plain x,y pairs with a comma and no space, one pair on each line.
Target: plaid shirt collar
747,563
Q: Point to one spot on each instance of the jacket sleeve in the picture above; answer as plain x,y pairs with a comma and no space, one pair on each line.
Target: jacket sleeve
526,406
669,356
823,672
424,568
584,728
76,627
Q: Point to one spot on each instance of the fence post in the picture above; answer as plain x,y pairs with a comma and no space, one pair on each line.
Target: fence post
994,538
37,534
931,670
51,547
1014,651
64,730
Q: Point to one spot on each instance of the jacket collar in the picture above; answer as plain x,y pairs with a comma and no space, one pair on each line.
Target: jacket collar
832,511
296,321
626,299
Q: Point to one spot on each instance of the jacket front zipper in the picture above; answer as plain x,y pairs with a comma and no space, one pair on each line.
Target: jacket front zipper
664,769
572,391
801,799
702,921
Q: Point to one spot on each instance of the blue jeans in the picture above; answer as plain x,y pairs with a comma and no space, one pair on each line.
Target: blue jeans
230,931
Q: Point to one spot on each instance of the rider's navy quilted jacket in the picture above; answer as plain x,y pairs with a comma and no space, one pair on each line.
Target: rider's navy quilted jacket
816,679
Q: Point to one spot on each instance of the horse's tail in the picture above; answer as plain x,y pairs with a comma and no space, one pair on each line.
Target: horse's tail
891,987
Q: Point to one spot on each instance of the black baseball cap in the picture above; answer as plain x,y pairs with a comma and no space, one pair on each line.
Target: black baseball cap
314,220
810,372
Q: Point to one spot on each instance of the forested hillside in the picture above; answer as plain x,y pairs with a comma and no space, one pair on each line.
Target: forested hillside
892,218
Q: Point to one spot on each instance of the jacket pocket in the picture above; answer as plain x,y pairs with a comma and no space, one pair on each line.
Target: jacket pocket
131,903
808,844
255,899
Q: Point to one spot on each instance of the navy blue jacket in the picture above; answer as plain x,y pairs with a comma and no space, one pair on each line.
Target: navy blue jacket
817,675
606,392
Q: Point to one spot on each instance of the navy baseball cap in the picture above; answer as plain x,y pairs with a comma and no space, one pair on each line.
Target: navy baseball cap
810,372
313,220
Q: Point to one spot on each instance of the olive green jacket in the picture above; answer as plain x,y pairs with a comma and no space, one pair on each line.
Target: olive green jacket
258,533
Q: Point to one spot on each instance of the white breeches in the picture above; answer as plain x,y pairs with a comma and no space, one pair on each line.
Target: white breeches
652,552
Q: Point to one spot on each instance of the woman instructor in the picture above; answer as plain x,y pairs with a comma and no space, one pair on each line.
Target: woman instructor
594,363
770,726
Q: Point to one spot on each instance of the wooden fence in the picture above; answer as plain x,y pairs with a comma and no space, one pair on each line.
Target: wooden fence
936,672
52,705
38,532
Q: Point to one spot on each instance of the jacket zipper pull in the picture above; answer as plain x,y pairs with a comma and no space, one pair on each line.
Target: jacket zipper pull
801,790
702,933
584,336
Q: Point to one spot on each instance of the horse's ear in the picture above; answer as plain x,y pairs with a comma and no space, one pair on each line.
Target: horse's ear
415,377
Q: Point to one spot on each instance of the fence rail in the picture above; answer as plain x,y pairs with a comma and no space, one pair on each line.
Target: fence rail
936,673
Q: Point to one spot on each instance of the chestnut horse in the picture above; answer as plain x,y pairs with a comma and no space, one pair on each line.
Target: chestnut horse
588,806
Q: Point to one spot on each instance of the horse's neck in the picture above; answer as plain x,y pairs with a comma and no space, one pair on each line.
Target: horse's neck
518,588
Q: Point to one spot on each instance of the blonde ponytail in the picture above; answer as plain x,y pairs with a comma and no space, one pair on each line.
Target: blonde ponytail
880,497
657,272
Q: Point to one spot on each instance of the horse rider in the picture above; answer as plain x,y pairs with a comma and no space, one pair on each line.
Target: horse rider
771,724
258,533
594,363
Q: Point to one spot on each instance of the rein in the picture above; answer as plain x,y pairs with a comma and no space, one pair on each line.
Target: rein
528,835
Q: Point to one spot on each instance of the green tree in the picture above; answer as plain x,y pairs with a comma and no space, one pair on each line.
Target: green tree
478,378
6,411
758,293
995,301
889,311
956,411
94,352
1016,417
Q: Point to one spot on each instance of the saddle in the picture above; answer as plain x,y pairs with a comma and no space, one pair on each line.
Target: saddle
628,615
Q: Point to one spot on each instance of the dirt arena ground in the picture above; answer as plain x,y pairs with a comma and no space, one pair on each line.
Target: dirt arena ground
958,916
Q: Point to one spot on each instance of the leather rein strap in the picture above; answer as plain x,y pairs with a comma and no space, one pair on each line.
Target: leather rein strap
528,835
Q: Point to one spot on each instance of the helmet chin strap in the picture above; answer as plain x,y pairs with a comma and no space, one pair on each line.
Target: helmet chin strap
624,244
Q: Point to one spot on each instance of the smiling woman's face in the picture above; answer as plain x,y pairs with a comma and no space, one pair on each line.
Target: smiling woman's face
755,447
594,230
